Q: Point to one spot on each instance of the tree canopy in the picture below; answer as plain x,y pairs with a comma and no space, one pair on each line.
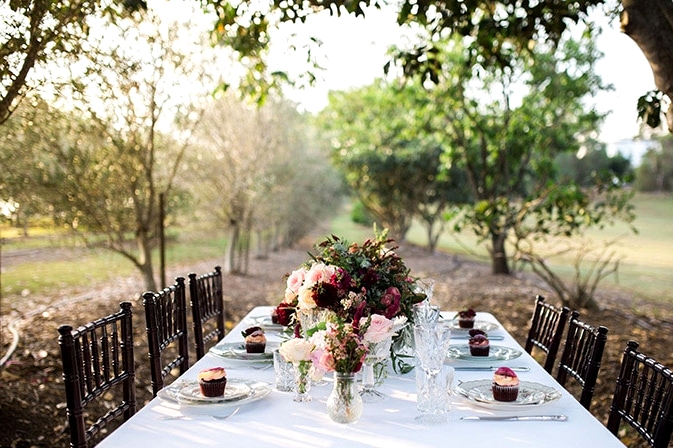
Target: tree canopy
497,32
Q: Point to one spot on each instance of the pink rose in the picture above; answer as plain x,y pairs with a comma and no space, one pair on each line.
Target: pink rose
326,362
319,273
296,279
380,328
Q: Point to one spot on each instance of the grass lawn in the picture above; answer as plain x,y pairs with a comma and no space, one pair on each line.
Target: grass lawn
646,267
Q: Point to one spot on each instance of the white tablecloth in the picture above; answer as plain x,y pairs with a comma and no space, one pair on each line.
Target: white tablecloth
278,421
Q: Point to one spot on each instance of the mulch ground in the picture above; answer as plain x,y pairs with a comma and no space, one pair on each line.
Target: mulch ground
32,399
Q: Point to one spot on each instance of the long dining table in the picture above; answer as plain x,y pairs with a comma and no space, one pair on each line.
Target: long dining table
272,418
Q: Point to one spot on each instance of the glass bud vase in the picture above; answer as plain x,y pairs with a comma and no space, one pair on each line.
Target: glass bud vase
302,382
344,405
376,352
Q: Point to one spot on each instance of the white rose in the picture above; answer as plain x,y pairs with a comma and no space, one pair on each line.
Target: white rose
296,349
305,299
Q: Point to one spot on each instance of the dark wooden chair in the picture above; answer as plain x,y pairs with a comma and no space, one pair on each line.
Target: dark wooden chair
167,336
581,356
97,358
643,398
207,301
546,330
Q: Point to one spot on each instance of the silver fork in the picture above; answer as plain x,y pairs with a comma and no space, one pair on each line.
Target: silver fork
192,417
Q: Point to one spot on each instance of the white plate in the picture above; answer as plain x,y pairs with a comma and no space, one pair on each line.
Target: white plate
530,394
495,353
234,390
236,350
172,393
482,325
265,322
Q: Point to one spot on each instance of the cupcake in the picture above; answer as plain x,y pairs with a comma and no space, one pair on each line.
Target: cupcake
255,340
505,385
274,317
466,318
479,345
212,381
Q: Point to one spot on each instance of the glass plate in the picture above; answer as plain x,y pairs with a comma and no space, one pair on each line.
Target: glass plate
236,350
530,394
265,322
257,391
234,390
496,353
482,325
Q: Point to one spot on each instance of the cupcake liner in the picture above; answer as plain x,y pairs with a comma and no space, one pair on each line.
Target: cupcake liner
255,347
213,388
465,323
482,350
505,393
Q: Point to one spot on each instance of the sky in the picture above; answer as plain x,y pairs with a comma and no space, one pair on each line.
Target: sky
355,52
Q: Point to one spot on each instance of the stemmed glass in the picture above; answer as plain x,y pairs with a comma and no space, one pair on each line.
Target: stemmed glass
425,287
432,344
425,314
377,351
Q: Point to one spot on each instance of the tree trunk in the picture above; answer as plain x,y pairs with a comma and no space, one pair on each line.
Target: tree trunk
498,254
145,262
232,244
650,24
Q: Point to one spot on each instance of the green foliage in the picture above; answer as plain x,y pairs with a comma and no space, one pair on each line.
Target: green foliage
388,149
359,215
509,150
655,172
39,33
498,30
595,167
649,108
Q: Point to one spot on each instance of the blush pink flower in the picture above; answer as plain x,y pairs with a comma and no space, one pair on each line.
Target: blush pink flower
380,328
319,273
296,279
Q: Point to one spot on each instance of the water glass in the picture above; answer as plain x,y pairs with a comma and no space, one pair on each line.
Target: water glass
284,372
425,314
434,399
432,345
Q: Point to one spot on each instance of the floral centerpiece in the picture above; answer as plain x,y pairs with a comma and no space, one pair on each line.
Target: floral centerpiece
351,282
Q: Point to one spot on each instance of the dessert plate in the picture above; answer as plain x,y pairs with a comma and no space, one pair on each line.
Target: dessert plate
482,325
530,394
234,390
236,350
265,322
184,393
496,353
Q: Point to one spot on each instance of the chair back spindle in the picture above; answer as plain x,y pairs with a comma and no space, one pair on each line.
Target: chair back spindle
581,356
643,398
207,302
167,336
98,357
546,330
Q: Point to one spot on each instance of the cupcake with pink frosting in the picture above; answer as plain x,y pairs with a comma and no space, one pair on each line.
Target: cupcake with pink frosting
212,381
505,385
